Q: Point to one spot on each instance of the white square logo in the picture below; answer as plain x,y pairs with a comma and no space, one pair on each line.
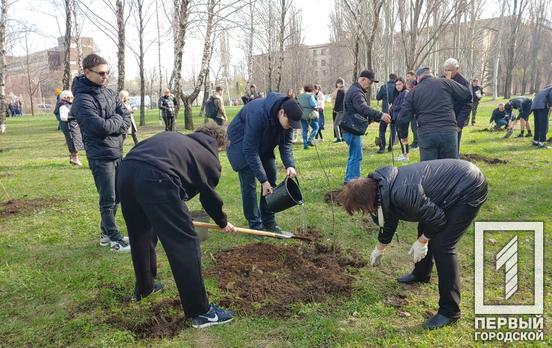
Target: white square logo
506,260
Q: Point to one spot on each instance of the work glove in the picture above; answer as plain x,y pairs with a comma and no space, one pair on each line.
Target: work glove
375,258
418,251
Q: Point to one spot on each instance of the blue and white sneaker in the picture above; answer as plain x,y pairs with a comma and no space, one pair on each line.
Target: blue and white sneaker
157,287
106,241
215,316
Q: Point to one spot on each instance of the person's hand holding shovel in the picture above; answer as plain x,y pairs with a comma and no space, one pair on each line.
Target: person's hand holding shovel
229,228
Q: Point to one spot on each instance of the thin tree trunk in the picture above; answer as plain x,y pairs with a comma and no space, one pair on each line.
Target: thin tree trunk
121,44
281,39
28,68
140,7
160,92
77,36
67,42
180,25
3,28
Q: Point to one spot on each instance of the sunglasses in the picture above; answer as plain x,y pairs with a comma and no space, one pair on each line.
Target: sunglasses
101,73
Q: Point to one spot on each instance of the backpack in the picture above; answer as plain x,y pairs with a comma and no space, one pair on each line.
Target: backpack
211,109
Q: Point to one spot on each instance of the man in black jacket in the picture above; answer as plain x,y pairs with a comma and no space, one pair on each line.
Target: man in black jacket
103,120
433,102
461,110
444,197
154,180
523,105
477,94
356,103
386,94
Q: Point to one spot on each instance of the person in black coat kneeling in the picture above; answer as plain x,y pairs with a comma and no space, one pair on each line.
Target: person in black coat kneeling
444,197
154,180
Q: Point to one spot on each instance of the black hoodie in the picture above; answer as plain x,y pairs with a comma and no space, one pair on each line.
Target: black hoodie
191,160
102,117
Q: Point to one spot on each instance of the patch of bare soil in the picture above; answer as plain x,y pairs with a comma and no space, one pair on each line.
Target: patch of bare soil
331,196
473,157
24,206
267,279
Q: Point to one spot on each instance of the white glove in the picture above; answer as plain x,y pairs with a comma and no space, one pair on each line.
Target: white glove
375,259
418,251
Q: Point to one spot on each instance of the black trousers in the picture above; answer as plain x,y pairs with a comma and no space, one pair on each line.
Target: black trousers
474,111
541,125
442,249
152,208
383,130
169,123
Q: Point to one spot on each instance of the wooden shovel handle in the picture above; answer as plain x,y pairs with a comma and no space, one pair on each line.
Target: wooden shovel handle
240,230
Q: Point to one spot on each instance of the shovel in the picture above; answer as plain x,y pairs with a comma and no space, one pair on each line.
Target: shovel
283,235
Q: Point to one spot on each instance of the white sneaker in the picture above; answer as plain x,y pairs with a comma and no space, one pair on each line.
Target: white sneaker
402,158
105,240
120,246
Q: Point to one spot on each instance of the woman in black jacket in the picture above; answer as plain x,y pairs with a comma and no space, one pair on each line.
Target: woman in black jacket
337,111
444,197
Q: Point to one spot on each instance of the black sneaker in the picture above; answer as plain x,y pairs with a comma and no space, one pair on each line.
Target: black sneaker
528,135
157,287
215,316
520,135
337,141
381,150
508,134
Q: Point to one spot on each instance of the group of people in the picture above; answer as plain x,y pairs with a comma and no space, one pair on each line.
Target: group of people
14,108
312,101
503,116
161,173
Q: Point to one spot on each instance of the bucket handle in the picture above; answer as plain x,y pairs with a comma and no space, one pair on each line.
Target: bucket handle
301,202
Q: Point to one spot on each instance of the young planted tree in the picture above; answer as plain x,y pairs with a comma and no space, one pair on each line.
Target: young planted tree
3,35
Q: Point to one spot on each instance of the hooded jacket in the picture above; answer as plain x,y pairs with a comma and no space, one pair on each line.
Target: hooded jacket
543,99
191,160
102,117
254,134
422,192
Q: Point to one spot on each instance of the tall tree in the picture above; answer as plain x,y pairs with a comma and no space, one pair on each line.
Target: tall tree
517,9
3,34
67,48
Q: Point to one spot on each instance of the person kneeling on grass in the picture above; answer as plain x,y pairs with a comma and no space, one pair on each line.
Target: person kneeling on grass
444,197
154,180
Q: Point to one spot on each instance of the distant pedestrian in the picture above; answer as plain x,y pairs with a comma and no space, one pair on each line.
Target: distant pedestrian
168,105
70,128
337,112
307,100
477,94
133,130
462,111
320,103
387,95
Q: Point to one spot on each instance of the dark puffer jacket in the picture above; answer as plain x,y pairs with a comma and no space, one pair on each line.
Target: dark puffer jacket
423,192
543,99
355,102
102,117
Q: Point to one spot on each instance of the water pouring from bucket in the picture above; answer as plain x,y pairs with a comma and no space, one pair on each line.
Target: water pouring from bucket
284,196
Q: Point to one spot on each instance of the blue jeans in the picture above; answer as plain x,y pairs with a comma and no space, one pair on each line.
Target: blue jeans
104,173
257,218
438,146
355,156
307,139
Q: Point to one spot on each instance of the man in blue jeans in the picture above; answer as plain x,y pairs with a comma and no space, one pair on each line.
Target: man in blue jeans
433,102
103,120
355,102
262,125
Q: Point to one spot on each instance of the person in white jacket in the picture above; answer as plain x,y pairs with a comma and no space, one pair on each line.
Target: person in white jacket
320,100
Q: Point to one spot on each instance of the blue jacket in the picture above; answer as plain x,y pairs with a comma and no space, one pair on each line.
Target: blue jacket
254,134
102,117
387,94
543,99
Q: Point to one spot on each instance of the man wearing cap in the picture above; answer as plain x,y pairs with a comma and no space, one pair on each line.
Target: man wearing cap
355,103
260,126
433,102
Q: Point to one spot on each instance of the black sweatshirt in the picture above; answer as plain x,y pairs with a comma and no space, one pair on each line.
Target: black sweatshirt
192,160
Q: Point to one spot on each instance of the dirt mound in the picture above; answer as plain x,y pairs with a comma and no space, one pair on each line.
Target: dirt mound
23,206
266,279
473,157
331,196
309,233
164,319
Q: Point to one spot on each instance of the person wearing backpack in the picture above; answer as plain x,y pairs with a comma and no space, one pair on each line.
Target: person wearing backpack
214,107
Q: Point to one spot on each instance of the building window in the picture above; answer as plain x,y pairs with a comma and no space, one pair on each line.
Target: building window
322,51
315,63
323,62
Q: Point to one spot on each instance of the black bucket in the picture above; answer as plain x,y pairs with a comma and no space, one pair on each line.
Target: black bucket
286,195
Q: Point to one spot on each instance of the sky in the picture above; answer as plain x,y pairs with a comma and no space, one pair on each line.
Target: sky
48,19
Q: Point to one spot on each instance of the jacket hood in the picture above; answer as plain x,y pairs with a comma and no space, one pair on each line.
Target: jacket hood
385,177
273,102
208,142
83,85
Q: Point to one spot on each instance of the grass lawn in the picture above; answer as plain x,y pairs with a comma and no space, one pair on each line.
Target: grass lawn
58,287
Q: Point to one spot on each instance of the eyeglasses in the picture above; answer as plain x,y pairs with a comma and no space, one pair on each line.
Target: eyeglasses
101,73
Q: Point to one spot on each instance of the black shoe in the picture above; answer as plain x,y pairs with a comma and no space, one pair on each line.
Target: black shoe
520,135
157,287
381,150
337,141
508,134
437,321
528,135
389,149
412,279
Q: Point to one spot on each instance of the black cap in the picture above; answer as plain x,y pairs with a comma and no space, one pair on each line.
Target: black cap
294,112
369,74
